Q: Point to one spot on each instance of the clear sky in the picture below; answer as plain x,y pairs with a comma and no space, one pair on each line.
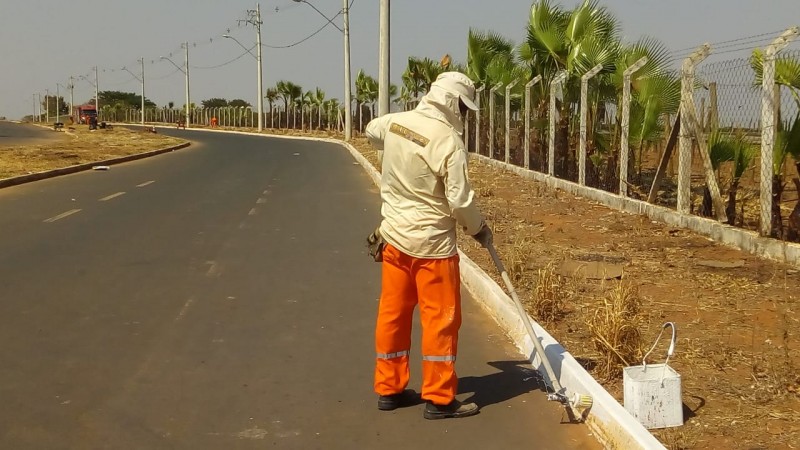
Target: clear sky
44,42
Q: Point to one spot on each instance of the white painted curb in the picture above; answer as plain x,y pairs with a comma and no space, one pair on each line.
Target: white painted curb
613,426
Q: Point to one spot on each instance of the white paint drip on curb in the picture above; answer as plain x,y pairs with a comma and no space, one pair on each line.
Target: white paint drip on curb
612,424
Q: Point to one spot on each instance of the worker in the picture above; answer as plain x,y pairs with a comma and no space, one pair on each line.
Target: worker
425,196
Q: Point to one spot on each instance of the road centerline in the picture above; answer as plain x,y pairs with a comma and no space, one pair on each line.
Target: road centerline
62,215
109,197
146,183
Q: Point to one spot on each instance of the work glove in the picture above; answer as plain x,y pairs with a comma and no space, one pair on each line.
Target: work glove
484,236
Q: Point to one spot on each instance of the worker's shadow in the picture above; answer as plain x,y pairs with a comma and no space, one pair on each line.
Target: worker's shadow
514,378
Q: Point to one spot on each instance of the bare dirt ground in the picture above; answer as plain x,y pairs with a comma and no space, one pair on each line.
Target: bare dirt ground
737,351
76,146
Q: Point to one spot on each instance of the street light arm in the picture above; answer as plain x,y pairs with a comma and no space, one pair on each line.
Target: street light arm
173,63
227,36
321,14
134,75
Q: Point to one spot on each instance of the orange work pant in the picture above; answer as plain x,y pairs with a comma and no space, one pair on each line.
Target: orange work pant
435,285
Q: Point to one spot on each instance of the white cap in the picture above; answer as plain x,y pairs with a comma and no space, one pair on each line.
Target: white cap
459,84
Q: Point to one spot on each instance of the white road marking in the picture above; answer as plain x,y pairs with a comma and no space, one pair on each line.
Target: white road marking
105,199
215,270
252,212
184,309
62,215
145,183
261,201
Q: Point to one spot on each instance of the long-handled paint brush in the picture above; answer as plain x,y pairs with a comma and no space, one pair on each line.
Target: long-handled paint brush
577,404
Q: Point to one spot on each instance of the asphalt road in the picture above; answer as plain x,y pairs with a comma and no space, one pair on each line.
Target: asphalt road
12,133
220,297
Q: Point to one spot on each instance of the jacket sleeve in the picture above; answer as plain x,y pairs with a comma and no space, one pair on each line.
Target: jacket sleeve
376,133
377,129
459,193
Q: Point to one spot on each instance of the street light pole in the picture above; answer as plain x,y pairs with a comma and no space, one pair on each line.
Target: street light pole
186,73
96,94
258,23
187,85
254,18
142,90
383,69
348,120
47,103
58,105
71,96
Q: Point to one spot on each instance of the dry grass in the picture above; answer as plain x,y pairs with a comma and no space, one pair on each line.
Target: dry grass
79,146
548,300
616,329
678,438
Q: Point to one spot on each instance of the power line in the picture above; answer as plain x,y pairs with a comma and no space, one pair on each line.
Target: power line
165,76
298,42
312,34
226,62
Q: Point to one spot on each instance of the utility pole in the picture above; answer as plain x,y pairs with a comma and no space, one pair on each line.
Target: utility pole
58,104
33,117
187,84
96,94
254,18
383,69
47,103
142,90
348,119
185,71
71,96
258,23
39,117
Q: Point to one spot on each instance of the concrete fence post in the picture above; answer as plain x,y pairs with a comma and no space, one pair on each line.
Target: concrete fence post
466,131
478,119
491,118
528,86
768,101
626,121
685,137
557,83
584,117
508,120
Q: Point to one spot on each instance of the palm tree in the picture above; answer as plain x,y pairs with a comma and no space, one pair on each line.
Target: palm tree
578,40
330,106
482,50
318,100
306,99
656,93
730,147
366,92
272,96
284,89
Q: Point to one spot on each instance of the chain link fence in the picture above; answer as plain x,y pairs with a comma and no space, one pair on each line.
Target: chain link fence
550,127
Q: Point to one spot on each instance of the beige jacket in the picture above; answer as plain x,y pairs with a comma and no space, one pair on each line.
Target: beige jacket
424,185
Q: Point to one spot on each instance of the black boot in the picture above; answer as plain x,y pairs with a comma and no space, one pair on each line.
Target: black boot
454,410
394,401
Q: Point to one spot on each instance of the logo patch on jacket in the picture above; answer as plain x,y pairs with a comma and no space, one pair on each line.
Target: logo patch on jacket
410,135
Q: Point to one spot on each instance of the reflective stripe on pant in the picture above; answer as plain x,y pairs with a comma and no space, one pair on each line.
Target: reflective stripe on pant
436,285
